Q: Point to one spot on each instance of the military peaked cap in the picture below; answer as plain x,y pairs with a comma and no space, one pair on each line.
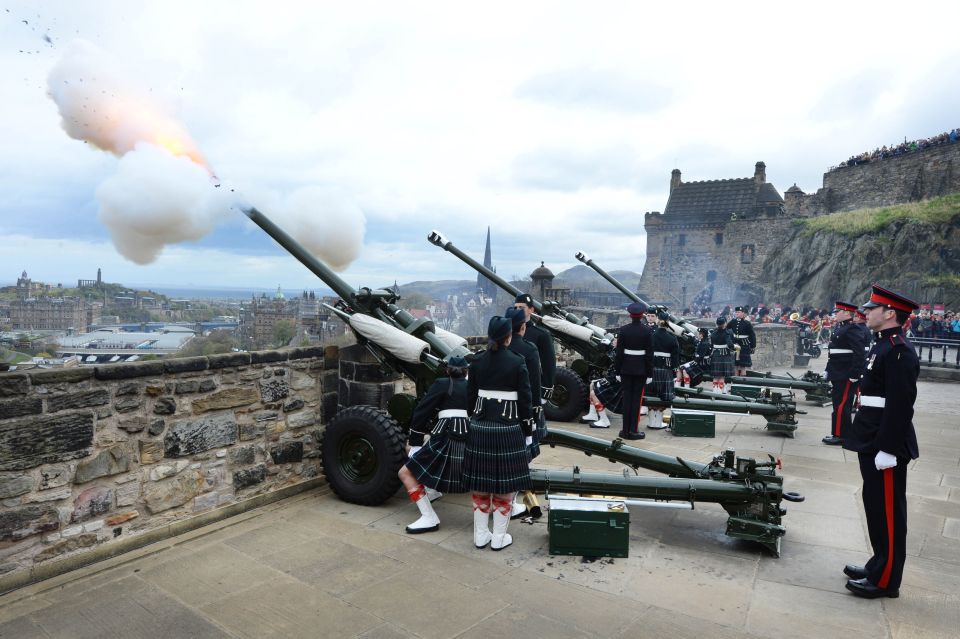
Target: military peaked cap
524,298
882,297
845,306
637,309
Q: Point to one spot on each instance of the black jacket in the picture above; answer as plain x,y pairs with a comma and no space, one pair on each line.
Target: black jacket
743,327
548,354
528,351
666,342
891,373
438,397
635,336
721,337
501,370
846,336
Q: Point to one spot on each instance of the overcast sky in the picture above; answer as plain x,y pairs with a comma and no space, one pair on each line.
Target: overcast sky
556,123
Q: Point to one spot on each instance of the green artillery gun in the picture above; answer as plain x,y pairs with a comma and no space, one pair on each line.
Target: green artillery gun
570,385
817,390
362,446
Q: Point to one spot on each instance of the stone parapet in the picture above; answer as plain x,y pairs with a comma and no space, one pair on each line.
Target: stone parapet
96,457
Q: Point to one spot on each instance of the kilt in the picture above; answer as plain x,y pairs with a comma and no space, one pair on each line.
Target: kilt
610,393
538,434
663,380
496,459
721,363
744,358
439,464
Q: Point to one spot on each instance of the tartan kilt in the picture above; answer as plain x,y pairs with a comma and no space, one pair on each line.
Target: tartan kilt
610,393
439,464
721,364
533,450
662,384
496,460
744,358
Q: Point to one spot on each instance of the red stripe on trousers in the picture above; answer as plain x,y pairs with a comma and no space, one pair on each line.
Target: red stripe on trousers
642,391
888,509
843,400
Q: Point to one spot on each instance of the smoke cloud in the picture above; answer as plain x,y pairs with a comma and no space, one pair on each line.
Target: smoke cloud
163,190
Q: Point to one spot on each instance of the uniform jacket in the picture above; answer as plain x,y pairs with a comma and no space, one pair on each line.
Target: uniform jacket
438,397
528,351
704,348
666,342
743,327
548,354
867,339
721,337
502,370
635,336
842,366
891,373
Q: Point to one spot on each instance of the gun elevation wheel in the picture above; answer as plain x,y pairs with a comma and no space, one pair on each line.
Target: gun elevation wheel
569,399
362,449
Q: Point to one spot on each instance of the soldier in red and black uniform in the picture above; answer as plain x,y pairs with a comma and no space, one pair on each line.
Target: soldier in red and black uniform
845,364
883,437
633,363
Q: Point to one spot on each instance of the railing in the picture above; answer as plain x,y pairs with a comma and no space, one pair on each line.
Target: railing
943,348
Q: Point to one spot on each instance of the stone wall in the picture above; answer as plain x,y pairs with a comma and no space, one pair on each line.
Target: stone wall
94,456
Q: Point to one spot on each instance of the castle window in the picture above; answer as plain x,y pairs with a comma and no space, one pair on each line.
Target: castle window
682,240
746,253
718,238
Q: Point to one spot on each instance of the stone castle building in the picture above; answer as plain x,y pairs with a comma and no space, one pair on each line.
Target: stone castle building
709,245
54,314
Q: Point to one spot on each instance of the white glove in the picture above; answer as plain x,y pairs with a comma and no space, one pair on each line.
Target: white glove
529,440
854,379
884,460
618,378
649,380
824,374
413,450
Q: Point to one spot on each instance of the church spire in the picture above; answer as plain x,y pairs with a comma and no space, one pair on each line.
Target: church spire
484,285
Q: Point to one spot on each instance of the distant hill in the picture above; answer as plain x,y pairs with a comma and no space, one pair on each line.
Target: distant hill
439,289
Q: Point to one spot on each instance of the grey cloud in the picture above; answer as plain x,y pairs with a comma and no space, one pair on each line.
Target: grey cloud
853,97
596,89
571,170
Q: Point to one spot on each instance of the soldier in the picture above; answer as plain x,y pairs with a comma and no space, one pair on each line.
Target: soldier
666,359
634,366
527,500
885,441
844,369
745,337
721,355
495,461
860,320
438,464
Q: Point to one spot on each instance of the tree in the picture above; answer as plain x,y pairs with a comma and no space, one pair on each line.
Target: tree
416,299
283,332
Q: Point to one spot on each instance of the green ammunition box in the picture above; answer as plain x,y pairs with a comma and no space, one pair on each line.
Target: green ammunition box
746,391
588,527
693,423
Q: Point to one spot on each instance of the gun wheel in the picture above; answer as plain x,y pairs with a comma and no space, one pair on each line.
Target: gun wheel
815,352
569,399
362,450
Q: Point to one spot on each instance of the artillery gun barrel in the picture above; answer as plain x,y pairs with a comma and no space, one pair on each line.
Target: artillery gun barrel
376,302
617,451
686,327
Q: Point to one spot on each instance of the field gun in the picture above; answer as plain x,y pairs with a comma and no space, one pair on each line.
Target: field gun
362,446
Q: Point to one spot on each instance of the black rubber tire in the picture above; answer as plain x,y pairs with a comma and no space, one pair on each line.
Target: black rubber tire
570,396
362,451
815,352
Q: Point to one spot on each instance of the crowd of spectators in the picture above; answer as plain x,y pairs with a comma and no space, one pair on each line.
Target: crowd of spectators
895,150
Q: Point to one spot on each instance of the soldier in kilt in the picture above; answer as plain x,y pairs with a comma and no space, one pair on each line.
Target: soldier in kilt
526,500
721,356
438,464
496,461
744,337
666,359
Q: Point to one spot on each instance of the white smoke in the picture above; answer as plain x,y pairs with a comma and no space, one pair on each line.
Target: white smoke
156,199
162,192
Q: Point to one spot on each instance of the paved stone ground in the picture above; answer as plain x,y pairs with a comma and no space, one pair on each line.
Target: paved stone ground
314,566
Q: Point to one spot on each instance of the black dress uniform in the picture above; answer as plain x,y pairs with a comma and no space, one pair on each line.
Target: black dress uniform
744,335
439,464
531,357
721,354
548,365
845,365
634,364
885,423
498,396
666,359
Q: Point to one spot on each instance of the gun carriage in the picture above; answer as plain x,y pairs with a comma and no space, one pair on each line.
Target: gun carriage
362,446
